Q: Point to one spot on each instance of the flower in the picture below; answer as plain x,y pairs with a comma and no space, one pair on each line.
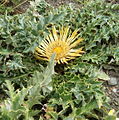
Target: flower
61,43
111,112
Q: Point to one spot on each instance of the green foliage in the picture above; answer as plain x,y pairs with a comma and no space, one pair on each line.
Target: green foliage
20,102
78,93
20,34
9,5
13,107
98,23
43,80
75,91
40,6
90,70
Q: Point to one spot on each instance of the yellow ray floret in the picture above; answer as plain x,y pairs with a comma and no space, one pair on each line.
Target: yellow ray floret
61,44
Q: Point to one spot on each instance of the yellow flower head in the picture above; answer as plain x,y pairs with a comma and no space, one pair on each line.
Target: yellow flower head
61,43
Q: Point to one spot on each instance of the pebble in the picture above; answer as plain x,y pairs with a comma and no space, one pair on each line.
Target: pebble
118,91
114,90
112,81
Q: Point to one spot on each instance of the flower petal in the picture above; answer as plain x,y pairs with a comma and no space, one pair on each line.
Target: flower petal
80,50
76,42
55,33
73,36
66,30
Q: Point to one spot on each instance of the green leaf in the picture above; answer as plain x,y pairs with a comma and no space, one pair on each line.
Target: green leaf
110,118
43,80
102,75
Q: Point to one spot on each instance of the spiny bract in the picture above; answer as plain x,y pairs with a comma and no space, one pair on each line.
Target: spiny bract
60,43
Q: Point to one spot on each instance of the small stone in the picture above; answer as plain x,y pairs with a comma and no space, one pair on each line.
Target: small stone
118,91
114,90
112,81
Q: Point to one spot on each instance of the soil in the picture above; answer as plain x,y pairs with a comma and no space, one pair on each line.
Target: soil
112,86
113,93
56,3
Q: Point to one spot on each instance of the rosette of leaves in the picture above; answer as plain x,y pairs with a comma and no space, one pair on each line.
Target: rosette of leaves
19,35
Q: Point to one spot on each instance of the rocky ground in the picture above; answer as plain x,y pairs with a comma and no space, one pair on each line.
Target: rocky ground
112,86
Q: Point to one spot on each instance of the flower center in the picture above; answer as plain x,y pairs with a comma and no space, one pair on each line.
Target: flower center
57,50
